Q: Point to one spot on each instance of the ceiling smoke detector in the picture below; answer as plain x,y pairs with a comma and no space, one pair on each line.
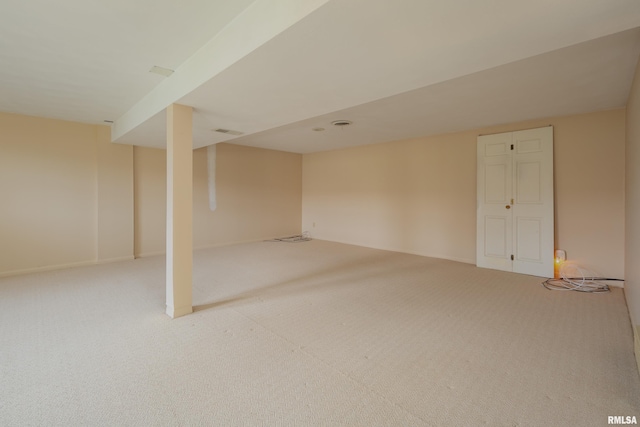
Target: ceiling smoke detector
341,123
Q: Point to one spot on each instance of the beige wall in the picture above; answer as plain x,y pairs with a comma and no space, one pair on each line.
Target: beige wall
258,197
150,200
115,198
66,195
632,214
419,195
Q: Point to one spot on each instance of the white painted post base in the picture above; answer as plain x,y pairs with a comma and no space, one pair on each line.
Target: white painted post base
173,312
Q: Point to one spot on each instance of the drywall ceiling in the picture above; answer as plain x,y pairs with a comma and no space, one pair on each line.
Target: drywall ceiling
590,76
275,69
89,60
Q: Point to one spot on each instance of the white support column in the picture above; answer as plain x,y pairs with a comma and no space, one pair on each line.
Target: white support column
179,210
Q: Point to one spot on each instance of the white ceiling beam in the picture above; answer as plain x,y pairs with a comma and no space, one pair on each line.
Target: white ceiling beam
259,23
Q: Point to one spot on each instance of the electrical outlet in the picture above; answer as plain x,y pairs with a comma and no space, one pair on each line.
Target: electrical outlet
561,256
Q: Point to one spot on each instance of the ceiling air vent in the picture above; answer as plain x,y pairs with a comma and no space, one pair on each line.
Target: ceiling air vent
227,131
341,123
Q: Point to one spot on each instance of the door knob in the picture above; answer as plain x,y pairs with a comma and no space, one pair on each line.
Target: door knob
508,206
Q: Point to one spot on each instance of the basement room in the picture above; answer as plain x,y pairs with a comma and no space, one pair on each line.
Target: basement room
319,213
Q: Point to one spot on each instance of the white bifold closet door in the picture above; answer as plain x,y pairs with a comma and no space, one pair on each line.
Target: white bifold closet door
515,218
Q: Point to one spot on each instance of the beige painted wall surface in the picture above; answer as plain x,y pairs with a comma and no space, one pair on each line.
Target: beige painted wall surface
258,197
419,195
51,175
411,196
150,200
115,201
632,214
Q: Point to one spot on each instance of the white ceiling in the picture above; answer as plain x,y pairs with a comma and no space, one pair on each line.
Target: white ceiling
275,69
590,76
89,60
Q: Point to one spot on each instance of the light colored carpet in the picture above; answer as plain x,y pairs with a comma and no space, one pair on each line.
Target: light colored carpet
313,333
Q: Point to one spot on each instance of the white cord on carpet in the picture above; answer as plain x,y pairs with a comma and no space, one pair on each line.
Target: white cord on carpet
576,278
